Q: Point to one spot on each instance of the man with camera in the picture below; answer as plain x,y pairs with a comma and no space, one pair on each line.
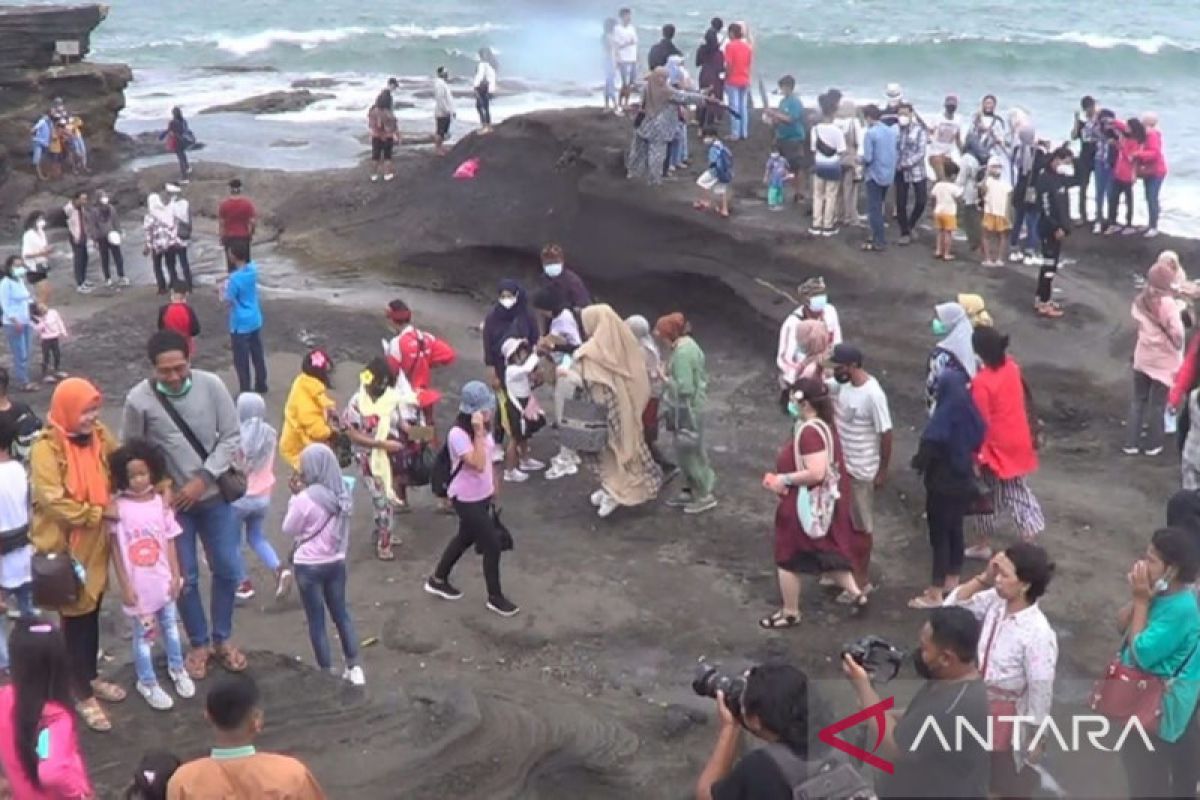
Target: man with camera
953,689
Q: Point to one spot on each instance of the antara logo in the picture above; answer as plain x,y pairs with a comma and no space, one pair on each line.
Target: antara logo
829,734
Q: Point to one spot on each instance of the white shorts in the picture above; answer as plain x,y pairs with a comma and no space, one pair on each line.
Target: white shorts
708,181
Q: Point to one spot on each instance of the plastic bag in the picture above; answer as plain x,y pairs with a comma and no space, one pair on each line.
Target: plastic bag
466,170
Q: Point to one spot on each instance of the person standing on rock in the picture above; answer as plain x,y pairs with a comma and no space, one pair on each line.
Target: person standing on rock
385,133
35,253
40,137
879,158
664,48
181,211
739,58
864,426
910,172
791,128
15,302
237,219
104,226
1054,224
416,354
78,234
245,321
443,110
179,139
162,240
608,55
165,408
710,60
686,392
485,87
557,274
625,42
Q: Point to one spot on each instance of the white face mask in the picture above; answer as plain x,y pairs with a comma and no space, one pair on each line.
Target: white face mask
552,270
1066,170
905,120
41,224
817,304
103,201
508,302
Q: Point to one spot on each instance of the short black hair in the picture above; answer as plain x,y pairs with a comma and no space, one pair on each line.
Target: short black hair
1087,102
955,629
622,12
951,169
152,775
179,286
716,23
668,31
1062,154
239,251
136,450
1033,566
1178,549
231,701
79,193
788,82
165,341
708,131
1183,511
990,345
871,111
235,185
785,702
552,297
735,30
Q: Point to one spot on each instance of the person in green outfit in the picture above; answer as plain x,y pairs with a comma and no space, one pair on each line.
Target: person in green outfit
1162,634
686,391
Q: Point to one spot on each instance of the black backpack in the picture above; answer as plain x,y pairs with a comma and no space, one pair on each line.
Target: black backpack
442,473
831,778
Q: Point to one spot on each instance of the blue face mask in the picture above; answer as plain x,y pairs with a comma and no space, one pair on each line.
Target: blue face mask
938,327
552,270
817,304
793,409
19,273
187,387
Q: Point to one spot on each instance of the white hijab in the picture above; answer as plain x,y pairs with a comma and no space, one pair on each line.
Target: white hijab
958,340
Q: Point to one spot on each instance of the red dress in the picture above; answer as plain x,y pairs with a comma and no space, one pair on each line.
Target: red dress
843,547
999,395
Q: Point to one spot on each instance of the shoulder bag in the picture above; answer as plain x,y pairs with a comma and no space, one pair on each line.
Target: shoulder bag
584,424
55,580
831,779
815,504
1126,692
232,482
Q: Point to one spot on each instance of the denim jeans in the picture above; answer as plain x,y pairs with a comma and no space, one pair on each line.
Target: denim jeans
143,643
251,514
247,348
1153,186
79,255
1103,175
213,523
20,342
1029,218
875,195
738,98
324,586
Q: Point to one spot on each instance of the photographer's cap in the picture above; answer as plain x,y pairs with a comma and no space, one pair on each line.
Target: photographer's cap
846,355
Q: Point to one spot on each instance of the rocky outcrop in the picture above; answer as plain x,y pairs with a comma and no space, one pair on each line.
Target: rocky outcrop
28,33
271,103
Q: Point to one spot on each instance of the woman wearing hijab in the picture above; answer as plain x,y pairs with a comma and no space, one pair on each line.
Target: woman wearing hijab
308,412
659,123
256,459
640,328
318,520
613,370
1157,357
687,392
1028,159
953,352
510,318
162,240
946,460
70,482
711,80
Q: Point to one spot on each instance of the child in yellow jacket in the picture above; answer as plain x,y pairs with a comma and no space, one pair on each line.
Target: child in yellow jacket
306,415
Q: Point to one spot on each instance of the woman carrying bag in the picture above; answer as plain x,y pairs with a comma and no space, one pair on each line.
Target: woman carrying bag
687,390
71,513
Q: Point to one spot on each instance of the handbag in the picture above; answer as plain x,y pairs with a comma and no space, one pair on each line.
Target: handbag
584,424
55,580
1127,692
682,424
815,504
232,482
420,465
983,498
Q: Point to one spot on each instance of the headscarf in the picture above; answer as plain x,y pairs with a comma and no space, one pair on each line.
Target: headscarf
955,423
87,479
1150,119
159,210
671,327
1027,149
1159,280
658,92
612,357
958,340
976,310
323,481
639,326
257,437
507,323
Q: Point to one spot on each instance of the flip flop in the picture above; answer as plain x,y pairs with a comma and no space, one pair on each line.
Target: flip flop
196,663
779,620
107,691
93,716
922,602
230,658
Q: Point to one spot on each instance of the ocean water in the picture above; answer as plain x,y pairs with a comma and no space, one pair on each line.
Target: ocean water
1040,57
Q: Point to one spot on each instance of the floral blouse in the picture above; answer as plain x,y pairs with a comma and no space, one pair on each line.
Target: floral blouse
355,419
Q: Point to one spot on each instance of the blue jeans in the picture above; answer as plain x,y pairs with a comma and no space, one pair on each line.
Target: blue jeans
1029,218
251,513
20,342
214,524
875,196
610,84
738,98
143,644
247,348
1103,175
1153,186
321,586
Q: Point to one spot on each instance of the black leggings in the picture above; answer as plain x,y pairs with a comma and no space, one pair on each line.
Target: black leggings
945,517
82,637
1084,166
483,104
160,278
109,250
1118,190
51,357
1051,251
907,220
1170,771
475,527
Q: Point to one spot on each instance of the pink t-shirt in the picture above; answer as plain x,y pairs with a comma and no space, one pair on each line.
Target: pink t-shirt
260,482
469,485
142,536
61,771
318,532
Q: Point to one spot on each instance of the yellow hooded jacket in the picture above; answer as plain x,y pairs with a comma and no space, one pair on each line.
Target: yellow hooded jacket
305,418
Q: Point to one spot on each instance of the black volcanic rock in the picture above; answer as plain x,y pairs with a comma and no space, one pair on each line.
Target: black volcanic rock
271,103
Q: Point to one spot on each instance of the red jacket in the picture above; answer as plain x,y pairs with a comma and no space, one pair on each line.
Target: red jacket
1151,163
1008,443
417,353
1127,148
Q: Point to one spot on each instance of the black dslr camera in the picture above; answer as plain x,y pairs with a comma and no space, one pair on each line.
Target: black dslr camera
877,656
708,680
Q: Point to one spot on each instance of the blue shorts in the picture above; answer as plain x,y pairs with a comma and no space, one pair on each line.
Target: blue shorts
628,73
39,151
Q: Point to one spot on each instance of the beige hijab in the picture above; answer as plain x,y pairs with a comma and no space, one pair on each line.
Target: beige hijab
658,92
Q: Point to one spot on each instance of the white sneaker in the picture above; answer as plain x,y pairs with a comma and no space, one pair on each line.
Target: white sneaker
110,284
183,683
1016,256
531,465
597,498
355,676
123,283
1150,234
607,506
515,476
374,179
560,470
815,232
568,456
155,697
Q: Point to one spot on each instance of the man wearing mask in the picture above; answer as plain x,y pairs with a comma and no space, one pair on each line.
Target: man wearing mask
552,266
879,158
864,426
1054,225
664,49
78,233
945,137
953,689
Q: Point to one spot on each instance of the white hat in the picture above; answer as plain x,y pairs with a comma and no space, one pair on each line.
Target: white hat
894,92
173,188
510,346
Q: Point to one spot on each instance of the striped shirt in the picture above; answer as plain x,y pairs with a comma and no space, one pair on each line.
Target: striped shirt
862,417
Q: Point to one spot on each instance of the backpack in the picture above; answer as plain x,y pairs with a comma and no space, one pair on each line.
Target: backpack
832,778
421,465
443,472
722,165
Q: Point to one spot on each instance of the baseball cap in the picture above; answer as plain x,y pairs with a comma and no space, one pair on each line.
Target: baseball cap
846,355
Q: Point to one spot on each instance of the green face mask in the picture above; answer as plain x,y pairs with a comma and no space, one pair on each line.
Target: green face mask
938,327
793,409
187,387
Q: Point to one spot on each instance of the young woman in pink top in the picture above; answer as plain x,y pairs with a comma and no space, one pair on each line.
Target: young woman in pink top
39,746
1132,137
256,457
1152,169
1157,358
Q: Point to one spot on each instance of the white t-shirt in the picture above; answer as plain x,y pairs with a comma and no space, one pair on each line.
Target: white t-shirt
997,192
516,379
485,73
832,136
625,40
14,512
945,197
944,136
862,417
33,241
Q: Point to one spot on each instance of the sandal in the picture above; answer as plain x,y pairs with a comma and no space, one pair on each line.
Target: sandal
384,553
230,658
868,247
779,620
857,600
924,602
108,691
699,206
93,716
196,663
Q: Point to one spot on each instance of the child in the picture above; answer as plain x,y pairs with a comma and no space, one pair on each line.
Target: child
996,192
178,316
524,414
256,458
778,173
716,180
318,519
143,556
152,775
946,193
51,330
15,549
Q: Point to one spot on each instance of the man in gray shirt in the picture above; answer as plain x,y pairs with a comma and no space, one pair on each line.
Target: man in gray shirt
205,405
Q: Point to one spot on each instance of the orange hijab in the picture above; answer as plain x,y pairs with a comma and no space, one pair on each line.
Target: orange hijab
87,480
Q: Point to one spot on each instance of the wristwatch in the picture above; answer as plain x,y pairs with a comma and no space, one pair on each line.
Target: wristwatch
788,481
